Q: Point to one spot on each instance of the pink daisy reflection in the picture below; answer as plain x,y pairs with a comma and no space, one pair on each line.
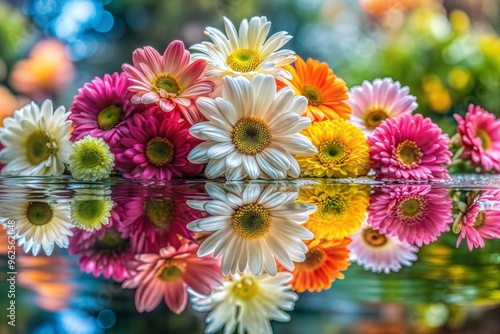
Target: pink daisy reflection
155,147
417,214
105,251
157,222
478,224
102,107
169,80
167,275
409,147
374,102
480,138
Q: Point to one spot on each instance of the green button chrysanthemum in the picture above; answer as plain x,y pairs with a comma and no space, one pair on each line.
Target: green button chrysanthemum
90,214
90,159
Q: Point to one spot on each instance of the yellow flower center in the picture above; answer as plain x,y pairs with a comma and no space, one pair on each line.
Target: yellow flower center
412,209
243,60
169,273
251,135
333,153
313,95
168,83
408,154
89,212
314,259
373,238
485,139
479,219
109,117
251,221
39,213
91,156
159,151
374,117
331,208
159,214
39,146
246,288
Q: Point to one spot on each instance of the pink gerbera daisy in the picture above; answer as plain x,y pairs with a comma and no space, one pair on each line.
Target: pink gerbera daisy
102,107
478,224
374,102
157,222
480,138
105,251
409,147
155,147
417,214
167,275
169,80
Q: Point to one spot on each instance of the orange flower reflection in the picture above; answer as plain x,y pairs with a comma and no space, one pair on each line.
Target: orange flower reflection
48,70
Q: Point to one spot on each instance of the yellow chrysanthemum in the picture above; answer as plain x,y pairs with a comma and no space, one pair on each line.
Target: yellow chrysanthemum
342,150
340,209
325,92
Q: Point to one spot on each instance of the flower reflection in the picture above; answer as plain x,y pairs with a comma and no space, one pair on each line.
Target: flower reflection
476,224
105,251
415,213
253,225
157,222
167,274
379,252
341,209
39,224
325,259
92,213
246,303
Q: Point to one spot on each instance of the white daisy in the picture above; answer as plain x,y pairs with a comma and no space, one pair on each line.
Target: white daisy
36,141
374,102
251,131
246,303
253,225
245,52
40,224
380,253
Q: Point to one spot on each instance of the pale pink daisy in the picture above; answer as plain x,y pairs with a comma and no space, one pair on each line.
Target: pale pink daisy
379,252
374,102
480,138
415,213
478,224
155,147
170,80
409,147
102,107
167,275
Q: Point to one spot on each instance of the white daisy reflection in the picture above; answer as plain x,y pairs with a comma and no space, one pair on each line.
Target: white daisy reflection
253,225
246,302
379,252
39,224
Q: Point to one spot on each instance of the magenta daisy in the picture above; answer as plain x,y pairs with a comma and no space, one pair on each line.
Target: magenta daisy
417,214
409,147
167,275
101,108
480,138
157,222
155,147
478,224
169,80
105,251
374,102
380,253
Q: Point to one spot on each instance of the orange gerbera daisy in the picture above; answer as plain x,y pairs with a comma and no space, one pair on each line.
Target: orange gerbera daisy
325,92
325,259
